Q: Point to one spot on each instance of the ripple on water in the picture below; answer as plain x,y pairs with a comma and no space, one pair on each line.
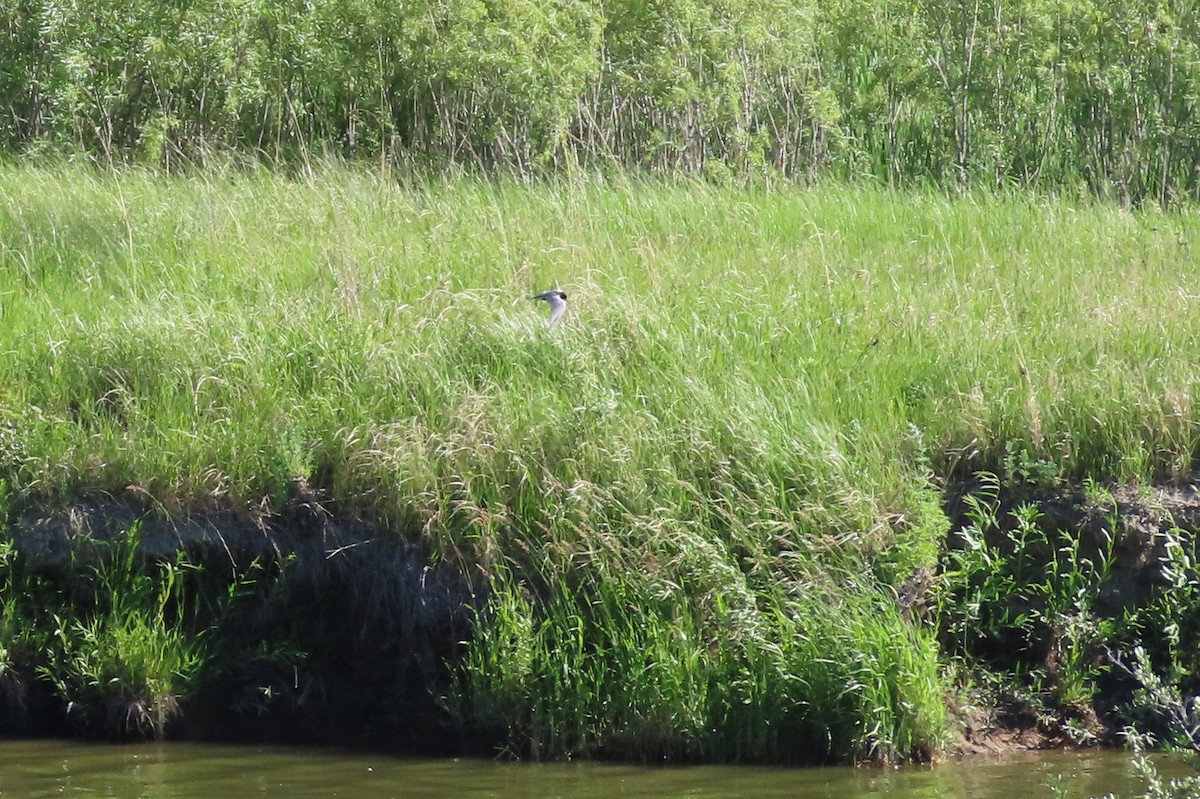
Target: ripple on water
31,769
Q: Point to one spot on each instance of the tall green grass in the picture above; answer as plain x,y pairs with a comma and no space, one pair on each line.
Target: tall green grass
687,506
250,328
648,670
123,657
110,636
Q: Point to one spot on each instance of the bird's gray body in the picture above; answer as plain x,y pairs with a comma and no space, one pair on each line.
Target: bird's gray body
558,303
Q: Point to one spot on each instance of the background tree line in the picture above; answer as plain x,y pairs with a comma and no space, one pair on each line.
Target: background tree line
1099,94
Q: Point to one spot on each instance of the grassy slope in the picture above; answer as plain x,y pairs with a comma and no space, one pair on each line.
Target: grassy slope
673,495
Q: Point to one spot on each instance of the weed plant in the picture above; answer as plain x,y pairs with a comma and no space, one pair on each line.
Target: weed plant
1155,647
123,661
1021,597
686,508
111,636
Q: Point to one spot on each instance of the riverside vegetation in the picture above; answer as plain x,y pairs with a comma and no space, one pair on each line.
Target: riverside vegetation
295,454
704,517
1098,95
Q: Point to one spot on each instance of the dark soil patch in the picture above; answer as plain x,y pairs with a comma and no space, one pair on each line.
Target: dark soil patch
1137,523
342,635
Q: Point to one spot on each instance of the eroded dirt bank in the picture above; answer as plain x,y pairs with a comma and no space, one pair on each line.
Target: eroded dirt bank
1124,553
341,634
336,635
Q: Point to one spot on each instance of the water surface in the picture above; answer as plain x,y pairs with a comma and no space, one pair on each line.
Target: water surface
31,769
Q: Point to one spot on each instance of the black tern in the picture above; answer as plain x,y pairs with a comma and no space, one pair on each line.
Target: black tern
557,300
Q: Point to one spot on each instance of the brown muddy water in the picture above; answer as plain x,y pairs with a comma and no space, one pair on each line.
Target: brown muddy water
30,769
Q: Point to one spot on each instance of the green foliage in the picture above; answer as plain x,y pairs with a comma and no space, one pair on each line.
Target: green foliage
1096,96
16,635
725,456
1021,596
124,662
1158,638
921,528
118,639
1158,704
644,669
1022,469
25,596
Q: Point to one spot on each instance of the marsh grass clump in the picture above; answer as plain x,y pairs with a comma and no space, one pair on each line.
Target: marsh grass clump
109,635
124,657
660,637
659,677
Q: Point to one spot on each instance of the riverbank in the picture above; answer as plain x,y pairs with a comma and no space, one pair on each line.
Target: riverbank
735,506
327,617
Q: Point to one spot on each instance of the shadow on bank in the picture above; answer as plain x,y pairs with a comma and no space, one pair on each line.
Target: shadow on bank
124,620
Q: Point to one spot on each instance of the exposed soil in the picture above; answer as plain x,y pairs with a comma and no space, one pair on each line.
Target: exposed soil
1137,522
347,621
380,619
1003,725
